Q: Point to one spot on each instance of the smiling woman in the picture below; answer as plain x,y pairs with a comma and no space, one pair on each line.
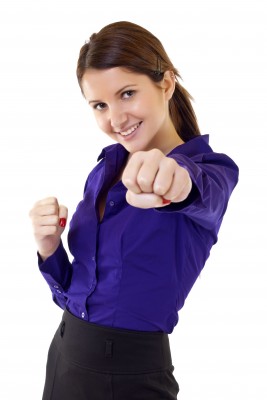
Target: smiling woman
132,109
151,212
129,46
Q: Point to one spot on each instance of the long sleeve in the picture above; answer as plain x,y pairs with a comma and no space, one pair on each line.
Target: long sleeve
214,177
57,271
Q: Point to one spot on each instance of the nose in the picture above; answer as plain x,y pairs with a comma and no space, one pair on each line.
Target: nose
118,118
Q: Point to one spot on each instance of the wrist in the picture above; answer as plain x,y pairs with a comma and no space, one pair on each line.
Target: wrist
45,254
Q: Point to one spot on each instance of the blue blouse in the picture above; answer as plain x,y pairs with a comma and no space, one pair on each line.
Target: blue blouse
135,267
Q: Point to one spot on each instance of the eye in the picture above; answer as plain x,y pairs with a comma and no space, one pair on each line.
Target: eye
128,94
99,106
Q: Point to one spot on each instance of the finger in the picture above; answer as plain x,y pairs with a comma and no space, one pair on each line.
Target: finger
45,206
49,209
165,175
63,216
48,225
184,192
144,200
148,171
56,219
129,176
180,187
146,175
46,201
46,220
141,170
46,230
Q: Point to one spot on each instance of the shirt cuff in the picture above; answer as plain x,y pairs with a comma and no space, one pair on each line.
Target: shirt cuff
181,205
56,270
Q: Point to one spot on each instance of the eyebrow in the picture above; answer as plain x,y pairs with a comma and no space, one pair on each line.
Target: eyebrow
118,91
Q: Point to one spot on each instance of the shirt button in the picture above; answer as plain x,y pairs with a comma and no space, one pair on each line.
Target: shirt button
56,287
93,258
111,203
59,291
83,314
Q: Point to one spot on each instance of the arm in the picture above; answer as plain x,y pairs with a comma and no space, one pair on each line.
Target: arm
213,176
49,220
197,186
57,271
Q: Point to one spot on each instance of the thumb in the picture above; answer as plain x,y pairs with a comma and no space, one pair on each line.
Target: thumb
63,216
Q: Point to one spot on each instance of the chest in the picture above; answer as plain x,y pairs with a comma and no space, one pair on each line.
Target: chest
102,197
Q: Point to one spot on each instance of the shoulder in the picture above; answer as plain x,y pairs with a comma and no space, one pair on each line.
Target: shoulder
198,151
195,146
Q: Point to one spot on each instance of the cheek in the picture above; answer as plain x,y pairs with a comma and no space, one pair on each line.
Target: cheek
151,105
102,123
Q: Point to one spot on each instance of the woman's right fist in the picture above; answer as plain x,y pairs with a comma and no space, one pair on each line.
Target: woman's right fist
49,221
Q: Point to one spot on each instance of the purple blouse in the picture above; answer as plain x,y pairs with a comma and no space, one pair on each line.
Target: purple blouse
135,268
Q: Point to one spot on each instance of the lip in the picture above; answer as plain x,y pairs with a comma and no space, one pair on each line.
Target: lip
131,135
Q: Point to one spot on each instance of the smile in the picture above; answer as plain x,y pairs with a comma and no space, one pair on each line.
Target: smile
130,130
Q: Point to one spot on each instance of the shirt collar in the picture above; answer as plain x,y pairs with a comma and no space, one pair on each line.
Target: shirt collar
199,144
112,149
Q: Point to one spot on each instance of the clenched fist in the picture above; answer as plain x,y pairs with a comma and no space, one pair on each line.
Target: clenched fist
49,221
154,180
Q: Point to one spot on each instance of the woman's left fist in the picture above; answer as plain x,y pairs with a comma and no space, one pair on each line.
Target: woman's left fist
152,178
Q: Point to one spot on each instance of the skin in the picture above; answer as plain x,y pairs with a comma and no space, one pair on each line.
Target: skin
131,110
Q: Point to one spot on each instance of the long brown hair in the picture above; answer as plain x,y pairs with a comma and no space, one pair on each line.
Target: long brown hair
125,44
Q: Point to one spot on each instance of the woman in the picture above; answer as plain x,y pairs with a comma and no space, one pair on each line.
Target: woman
151,212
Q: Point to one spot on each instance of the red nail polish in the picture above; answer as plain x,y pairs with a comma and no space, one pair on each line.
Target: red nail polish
165,201
62,222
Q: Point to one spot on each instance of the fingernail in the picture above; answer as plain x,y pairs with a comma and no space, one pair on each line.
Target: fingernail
62,222
165,201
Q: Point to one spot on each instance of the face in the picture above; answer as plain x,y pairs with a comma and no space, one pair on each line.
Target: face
131,109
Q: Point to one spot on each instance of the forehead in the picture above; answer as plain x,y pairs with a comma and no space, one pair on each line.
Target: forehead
96,81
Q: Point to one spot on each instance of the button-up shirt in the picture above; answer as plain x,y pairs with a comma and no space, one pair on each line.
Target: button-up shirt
134,268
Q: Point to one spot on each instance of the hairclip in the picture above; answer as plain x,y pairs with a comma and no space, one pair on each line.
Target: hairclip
158,70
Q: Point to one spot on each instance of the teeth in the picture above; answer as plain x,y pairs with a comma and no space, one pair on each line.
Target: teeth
130,130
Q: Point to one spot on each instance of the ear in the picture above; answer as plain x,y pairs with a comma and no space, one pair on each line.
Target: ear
168,84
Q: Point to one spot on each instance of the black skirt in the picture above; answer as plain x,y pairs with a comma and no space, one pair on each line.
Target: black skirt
91,362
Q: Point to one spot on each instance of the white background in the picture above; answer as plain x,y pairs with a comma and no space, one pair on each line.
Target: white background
49,143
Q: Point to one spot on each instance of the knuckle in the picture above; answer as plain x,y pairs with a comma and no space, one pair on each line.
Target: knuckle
144,183
183,172
168,163
129,198
159,189
138,154
155,152
136,157
127,181
51,200
142,180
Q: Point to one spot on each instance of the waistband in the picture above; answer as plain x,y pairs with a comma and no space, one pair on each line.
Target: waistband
113,350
